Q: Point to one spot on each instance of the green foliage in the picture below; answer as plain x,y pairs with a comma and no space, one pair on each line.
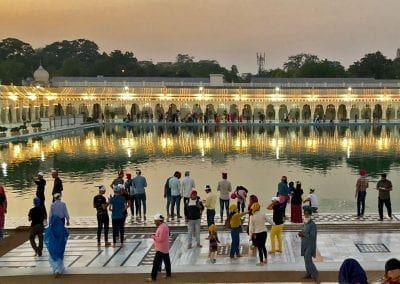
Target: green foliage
374,65
3,129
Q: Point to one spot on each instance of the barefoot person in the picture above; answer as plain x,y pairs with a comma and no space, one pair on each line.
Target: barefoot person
161,245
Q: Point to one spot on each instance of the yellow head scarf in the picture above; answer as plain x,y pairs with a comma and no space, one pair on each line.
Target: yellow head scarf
212,228
255,207
232,208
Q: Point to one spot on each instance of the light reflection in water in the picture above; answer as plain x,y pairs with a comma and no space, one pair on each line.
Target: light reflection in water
325,158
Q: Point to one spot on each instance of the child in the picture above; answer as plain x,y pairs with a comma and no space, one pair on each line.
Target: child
213,238
241,194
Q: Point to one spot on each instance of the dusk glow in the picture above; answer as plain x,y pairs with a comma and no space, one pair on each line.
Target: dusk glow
228,31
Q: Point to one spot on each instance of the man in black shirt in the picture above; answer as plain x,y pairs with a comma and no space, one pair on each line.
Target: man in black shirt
36,215
41,183
58,186
101,204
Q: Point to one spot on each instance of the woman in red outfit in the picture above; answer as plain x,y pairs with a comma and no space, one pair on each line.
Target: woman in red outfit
297,200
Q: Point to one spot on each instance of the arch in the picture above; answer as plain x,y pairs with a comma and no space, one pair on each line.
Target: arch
58,110
294,113
283,113
222,112
185,113
233,113
17,114
135,112
259,113
366,113
147,113
247,114
96,111
390,113
25,114
319,112
342,113
330,112
70,110
83,109
270,112
210,113
172,113
306,113
354,113
159,112
377,113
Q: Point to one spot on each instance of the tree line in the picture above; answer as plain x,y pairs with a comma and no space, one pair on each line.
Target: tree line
81,57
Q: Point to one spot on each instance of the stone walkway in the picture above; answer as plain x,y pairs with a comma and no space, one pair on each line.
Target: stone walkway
370,247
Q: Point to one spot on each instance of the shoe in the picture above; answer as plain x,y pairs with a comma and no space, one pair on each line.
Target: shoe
107,244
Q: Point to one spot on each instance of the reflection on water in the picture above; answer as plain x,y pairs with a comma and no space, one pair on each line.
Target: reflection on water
327,158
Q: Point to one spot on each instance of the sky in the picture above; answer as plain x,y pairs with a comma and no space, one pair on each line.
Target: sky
228,31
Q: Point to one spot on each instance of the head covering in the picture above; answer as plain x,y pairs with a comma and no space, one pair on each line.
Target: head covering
36,201
351,272
212,228
253,198
307,210
362,172
193,193
224,175
40,174
187,173
312,190
208,188
383,175
57,195
392,264
158,217
102,188
128,175
284,178
232,208
255,207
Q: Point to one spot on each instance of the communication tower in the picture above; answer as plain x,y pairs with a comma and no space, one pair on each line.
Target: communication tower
261,62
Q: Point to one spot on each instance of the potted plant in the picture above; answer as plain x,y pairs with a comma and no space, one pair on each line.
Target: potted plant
3,131
15,131
36,126
24,129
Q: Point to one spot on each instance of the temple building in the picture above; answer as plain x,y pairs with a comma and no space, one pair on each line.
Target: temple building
202,99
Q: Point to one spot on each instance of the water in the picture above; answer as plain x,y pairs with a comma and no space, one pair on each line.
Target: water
326,158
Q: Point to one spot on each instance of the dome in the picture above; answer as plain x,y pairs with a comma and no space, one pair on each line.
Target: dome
41,75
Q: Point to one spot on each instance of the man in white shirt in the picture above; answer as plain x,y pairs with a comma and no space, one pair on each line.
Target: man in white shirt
187,186
224,187
313,201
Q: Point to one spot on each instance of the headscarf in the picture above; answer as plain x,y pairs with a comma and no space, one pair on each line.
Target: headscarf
232,208
255,207
351,272
212,228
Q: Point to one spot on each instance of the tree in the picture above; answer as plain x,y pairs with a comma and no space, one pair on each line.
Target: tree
374,65
12,48
324,68
296,62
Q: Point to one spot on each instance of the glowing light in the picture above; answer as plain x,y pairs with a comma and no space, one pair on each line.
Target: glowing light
12,96
4,168
32,96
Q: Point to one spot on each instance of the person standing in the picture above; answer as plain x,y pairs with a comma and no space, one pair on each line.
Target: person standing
58,185
277,226
283,193
187,185
36,216
309,245
118,180
131,194
41,184
258,232
361,193
56,235
101,204
209,203
175,186
384,186
118,204
139,186
194,210
296,214
235,223
161,246
3,210
167,195
224,187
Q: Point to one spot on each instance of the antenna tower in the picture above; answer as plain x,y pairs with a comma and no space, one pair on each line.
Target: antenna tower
261,62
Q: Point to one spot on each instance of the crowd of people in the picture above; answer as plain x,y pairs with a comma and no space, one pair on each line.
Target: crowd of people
130,193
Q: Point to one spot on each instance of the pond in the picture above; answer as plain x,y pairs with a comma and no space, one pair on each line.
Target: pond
327,158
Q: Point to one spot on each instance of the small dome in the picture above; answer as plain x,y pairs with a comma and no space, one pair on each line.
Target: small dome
41,75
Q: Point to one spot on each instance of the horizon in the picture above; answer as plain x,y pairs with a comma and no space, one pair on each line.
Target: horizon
228,31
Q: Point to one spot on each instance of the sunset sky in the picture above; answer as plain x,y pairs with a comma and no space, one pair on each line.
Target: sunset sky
229,31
